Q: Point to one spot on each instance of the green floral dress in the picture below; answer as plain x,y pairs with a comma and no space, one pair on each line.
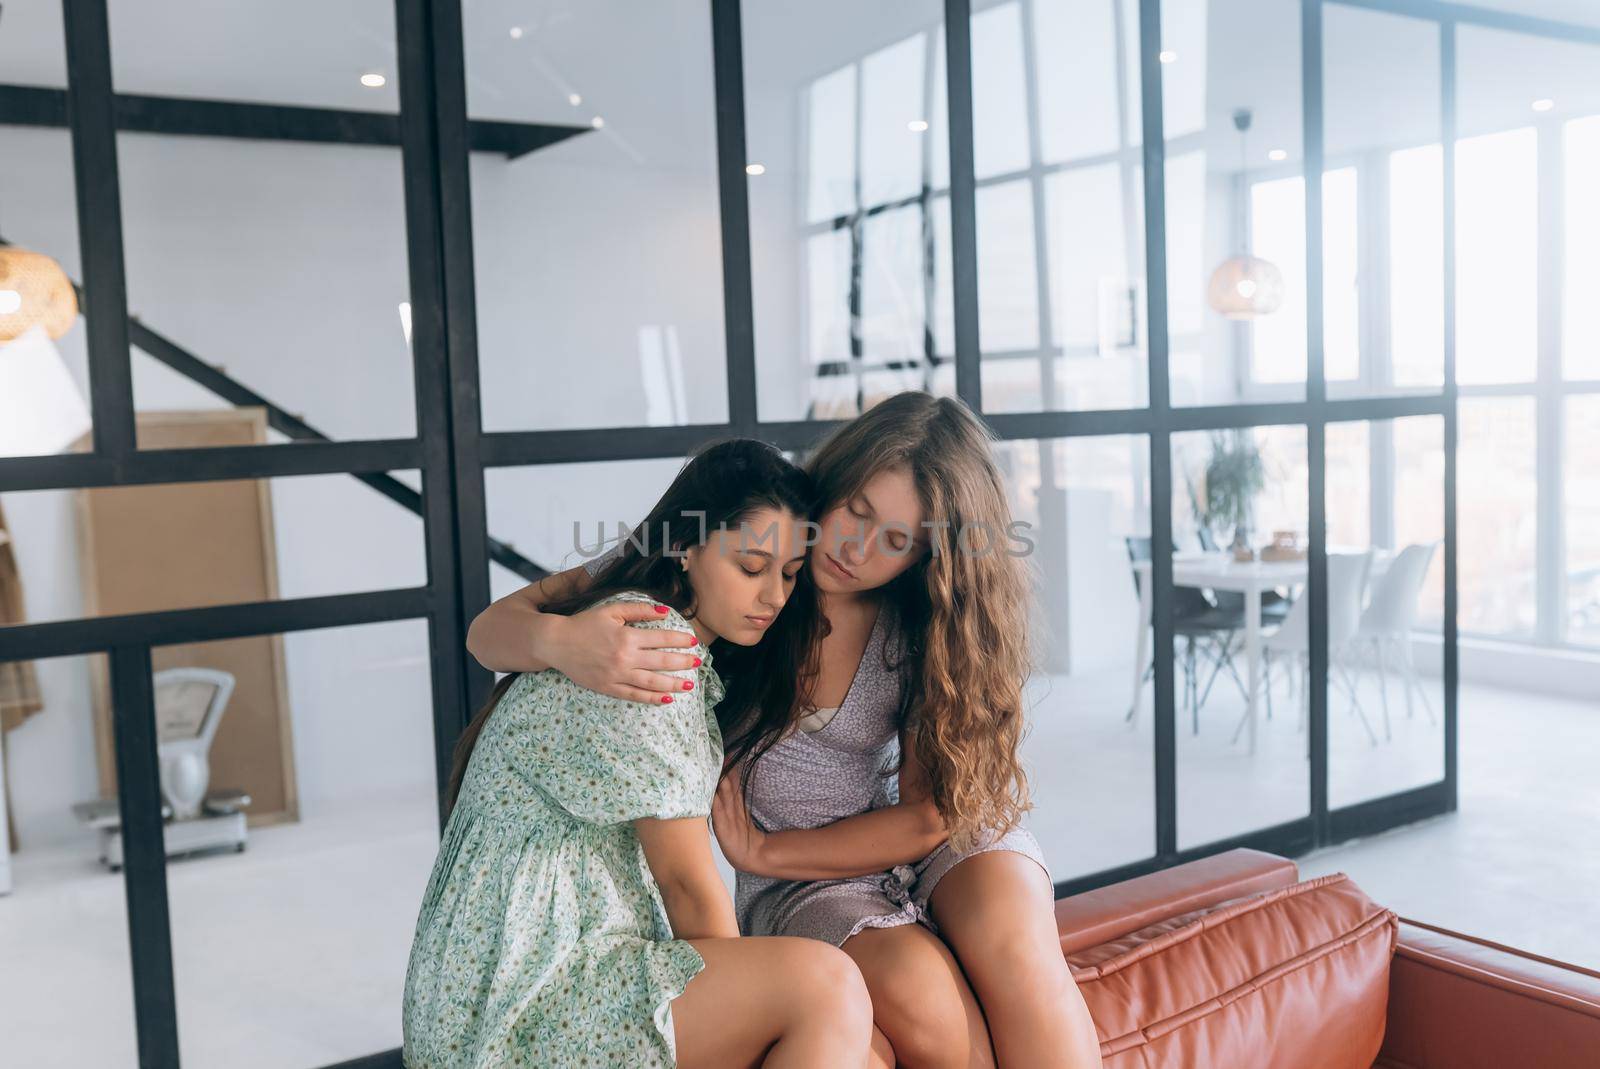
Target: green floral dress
542,939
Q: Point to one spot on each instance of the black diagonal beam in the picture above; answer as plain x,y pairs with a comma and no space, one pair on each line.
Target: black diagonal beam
235,392
230,389
29,105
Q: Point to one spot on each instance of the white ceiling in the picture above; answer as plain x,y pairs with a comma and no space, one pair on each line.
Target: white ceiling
1501,74
291,51
1582,12
645,67
1381,80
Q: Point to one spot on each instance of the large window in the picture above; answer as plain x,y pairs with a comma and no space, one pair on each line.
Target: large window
1277,234
1383,251
1527,115
1060,206
1527,331
1580,339
1233,118
848,185
1416,267
1581,578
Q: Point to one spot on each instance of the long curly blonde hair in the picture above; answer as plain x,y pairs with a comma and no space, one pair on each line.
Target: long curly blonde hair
965,605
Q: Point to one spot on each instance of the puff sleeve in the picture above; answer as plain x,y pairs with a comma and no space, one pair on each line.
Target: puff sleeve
604,760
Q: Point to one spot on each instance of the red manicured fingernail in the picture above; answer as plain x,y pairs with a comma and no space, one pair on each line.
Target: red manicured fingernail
688,684
661,608
697,662
665,698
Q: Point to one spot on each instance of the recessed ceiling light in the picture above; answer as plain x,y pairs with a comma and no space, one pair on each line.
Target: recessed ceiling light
1543,104
574,99
754,168
597,122
917,125
1277,154
373,80
516,33
1168,56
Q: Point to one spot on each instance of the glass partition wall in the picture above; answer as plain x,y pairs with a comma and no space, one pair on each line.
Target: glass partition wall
242,453
1206,269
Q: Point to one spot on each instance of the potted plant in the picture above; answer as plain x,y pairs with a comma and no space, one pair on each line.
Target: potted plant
1234,474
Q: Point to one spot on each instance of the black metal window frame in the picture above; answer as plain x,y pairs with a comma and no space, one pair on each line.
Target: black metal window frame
452,451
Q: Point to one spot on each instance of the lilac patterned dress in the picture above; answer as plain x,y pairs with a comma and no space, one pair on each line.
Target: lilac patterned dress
809,779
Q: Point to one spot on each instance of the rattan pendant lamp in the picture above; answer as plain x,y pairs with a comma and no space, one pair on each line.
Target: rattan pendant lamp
34,291
1245,286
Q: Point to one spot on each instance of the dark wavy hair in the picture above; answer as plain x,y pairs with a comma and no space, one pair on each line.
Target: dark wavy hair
720,487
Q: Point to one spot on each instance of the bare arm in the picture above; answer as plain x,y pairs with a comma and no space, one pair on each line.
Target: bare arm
594,648
679,855
512,635
868,843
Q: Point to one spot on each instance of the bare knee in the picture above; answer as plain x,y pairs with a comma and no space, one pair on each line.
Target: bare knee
1013,954
926,1032
827,985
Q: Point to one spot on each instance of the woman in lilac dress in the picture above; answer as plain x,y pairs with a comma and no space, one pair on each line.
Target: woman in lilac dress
884,818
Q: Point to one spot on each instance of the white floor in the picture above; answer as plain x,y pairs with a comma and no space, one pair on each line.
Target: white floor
290,954
1519,861
1093,771
294,953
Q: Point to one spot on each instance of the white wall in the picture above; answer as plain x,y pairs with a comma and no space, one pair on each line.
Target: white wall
576,258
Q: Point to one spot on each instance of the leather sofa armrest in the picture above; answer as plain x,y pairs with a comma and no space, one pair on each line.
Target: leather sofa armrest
1098,916
1456,1002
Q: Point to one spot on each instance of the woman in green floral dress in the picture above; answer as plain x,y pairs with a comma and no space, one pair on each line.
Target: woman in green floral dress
574,916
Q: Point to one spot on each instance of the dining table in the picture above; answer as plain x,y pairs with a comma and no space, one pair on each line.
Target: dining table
1219,570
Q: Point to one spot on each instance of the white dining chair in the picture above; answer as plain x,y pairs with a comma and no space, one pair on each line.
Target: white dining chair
1385,628
1347,581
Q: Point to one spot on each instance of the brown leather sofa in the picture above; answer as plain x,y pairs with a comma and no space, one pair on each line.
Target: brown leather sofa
1232,962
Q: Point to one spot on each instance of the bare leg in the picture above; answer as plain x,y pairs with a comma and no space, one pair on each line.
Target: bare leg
920,1000
777,1002
997,910
882,1056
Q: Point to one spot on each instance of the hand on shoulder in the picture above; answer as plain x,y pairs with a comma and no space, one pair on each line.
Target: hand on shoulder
629,646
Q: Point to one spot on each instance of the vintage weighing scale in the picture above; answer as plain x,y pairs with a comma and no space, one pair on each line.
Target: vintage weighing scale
189,704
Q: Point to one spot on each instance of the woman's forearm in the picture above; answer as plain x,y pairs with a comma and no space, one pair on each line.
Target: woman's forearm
699,910
509,635
513,635
855,846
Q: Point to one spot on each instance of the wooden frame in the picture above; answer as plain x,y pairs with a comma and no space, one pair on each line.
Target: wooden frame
254,747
